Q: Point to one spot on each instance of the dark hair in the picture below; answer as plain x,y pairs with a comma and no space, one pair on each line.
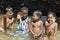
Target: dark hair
52,14
38,13
24,8
8,9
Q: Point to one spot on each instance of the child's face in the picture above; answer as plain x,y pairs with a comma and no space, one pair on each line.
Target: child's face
25,13
51,17
10,13
35,17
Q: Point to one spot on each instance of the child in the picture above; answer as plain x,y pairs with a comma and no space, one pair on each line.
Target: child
7,21
51,26
23,26
36,26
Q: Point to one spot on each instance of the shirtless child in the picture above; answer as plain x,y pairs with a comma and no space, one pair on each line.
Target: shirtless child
51,26
7,21
36,26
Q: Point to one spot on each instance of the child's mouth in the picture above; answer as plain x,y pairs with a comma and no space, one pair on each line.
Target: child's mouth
24,17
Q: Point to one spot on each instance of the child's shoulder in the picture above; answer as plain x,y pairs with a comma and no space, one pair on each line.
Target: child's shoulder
46,21
56,23
41,21
4,16
12,18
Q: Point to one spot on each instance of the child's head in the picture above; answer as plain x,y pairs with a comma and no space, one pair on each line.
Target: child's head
24,11
9,11
51,16
37,15
9,14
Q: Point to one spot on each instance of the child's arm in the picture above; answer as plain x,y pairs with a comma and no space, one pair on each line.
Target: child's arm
2,23
41,28
31,27
11,22
5,23
48,24
12,26
29,21
55,29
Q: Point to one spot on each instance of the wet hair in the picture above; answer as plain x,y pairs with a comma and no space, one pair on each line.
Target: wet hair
24,8
52,14
8,9
38,13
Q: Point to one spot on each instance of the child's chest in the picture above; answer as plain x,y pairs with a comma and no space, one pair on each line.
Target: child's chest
37,24
8,20
23,22
52,26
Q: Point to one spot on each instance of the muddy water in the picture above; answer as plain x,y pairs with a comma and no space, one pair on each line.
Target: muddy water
31,38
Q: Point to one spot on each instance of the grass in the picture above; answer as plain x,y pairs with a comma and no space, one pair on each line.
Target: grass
7,37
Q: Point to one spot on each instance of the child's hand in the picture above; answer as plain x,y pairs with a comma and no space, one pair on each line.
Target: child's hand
54,20
38,34
35,35
18,16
